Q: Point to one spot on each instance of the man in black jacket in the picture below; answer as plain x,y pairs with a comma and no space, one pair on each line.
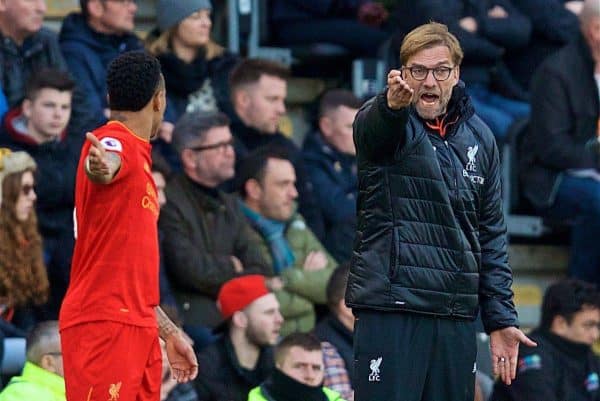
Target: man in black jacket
26,46
206,239
431,243
563,366
243,357
561,153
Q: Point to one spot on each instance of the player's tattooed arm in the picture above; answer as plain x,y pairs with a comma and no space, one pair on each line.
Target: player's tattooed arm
101,166
165,326
180,354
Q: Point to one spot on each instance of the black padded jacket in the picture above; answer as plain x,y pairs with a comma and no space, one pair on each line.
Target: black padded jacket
431,236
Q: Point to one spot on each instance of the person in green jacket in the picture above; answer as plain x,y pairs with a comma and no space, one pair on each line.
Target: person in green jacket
298,373
42,375
267,186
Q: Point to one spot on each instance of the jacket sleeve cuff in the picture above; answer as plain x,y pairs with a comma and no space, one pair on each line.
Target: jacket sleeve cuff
389,115
497,314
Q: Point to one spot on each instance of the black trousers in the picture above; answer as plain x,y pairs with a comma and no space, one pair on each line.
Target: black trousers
412,357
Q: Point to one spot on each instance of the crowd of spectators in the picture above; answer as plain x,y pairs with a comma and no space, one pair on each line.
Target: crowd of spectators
254,225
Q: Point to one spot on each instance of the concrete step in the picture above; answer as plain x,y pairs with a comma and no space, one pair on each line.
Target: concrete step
535,267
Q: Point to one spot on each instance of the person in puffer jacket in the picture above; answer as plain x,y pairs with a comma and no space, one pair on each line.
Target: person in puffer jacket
431,245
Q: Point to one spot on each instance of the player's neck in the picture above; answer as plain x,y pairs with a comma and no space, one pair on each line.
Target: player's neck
137,122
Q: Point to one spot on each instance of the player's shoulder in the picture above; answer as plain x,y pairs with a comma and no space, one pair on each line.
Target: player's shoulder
113,136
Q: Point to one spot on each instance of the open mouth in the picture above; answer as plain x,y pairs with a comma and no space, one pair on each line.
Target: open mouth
429,98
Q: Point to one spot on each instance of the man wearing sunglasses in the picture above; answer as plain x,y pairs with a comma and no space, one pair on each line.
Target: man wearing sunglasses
431,246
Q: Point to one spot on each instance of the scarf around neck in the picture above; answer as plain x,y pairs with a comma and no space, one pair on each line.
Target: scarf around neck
273,232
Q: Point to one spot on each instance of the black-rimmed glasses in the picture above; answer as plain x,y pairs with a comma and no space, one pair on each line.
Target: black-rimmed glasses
220,146
419,73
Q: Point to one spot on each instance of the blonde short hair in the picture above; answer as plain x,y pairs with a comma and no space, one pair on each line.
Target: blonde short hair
427,36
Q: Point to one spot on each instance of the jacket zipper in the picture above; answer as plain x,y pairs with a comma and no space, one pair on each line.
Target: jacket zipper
453,301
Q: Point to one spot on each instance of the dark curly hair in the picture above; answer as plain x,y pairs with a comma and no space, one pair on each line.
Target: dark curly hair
23,277
567,297
132,79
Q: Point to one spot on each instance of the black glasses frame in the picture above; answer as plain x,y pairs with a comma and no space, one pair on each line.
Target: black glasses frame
218,145
441,73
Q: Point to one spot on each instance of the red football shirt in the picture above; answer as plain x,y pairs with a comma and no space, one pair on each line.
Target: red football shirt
114,273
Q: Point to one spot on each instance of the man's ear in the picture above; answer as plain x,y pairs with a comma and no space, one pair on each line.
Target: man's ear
187,158
239,319
95,8
253,189
241,98
158,99
559,325
325,126
3,5
26,106
47,363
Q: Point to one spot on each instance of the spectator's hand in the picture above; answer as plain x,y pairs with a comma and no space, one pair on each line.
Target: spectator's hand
469,24
274,283
497,12
166,131
399,94
167,385
574,6
372,14
504,345
182,359
98,162
238,267
315,260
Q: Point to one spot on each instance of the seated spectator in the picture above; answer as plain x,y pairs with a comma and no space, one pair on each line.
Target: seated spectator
560,152
258,91
206,239
336,334
38,126
91,39
267,187
351,24
486,29
195,68
26,47
330,158
165,288
563,365
23,278
554,25
243,356
298,373
42,375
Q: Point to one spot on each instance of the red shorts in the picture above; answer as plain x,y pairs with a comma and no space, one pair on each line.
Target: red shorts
110,361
